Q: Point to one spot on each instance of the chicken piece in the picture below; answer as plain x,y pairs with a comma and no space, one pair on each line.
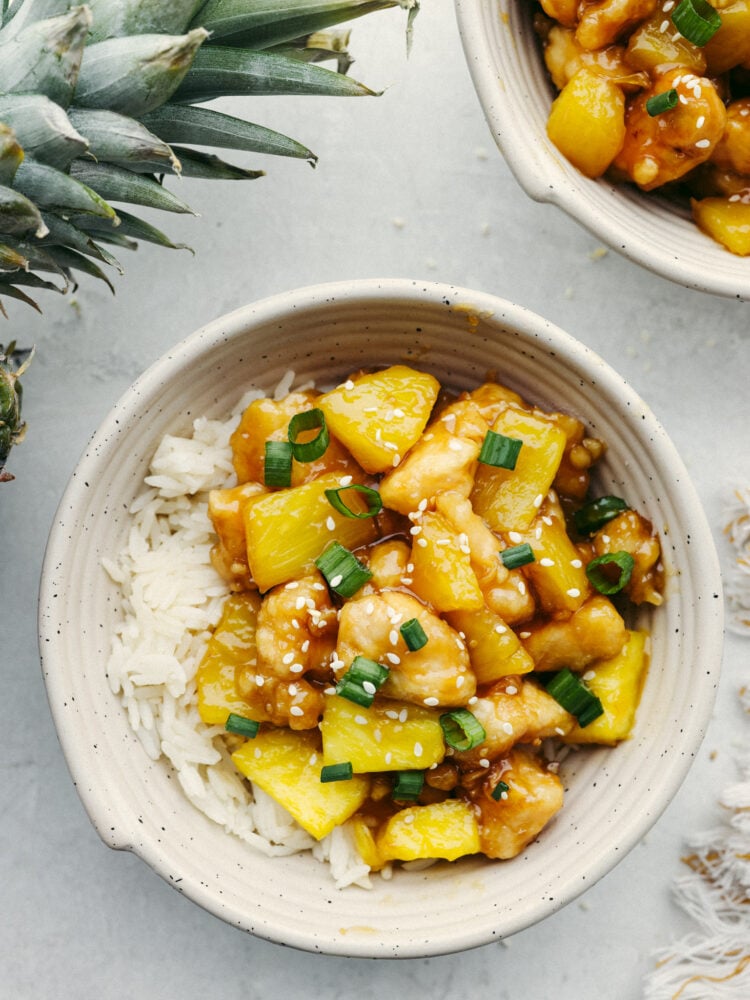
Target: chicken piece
509,823
437,674
229,555
664,147
600,24
388,562
483,544
564,56
514,711
296,629
633,533
595,632
733,150
510,597
491,398
296,704
444,458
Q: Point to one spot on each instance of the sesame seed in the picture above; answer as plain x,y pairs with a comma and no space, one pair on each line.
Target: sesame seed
546,561
431,701
296,710
313,759
348,384
500,629
259,680
460,681
416,530
409,818
422,543
514,537
393,637
369,608
295,623
305,645
406,580
524,635
257,752
296,668
396,460
393,658
538,500
664,26
391,714
443,541
330,524
292,689
299,603
369,687
410,567
287,658
422,505
345,481
459,643
378,434
378,735
336,580
521,588
403,715
388,757
703,144
417,749
573,592
473,700
576,563
511,689
360,720
454,444
589,675
329,690
507,728
483,762
700,121
292,585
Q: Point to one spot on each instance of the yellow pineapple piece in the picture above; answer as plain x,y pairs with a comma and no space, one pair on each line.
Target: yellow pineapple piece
231,646
726,221
379,416
509,499
730,46
364,841
443,575
445,829
288,529
617,683
494,648
650,46
387,736
287,765
557,572
587,121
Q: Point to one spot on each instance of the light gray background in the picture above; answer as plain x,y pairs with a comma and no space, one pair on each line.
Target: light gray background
409,185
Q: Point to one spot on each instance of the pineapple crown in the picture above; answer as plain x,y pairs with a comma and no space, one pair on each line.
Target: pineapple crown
99,101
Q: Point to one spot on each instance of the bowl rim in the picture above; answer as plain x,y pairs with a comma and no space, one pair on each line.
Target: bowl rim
545,176
90,784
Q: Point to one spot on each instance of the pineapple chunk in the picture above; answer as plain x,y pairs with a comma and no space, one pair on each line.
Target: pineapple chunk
444,459
557,572
728,222
376,738
509,500
587,121
443,574
287,530
445,829
617,682
231,646
379,416
534,795
730,46
364,841
287,767
494,648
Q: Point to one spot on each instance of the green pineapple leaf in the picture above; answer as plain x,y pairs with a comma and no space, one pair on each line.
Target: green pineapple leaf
129,226
141,17
123,141
42,128
209,167
117,184
18,214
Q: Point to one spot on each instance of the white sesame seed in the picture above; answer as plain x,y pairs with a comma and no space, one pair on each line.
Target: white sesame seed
417,749
292,690
589,675
538,500
524,635
443,541
410,567
546,561
378,434
393,637
292,585
388,757
296,668
483,762
257,752
576,563
403,715
521,588
416,530
664,26
507,728
511,689
460,680
259,680
349,384
422,505
299,603
396,460
345,481
703,144
369,687
330,524
296,710
369,608
473,700
313,759
295,623
393,658
409,818
336,580
422,543
305,645
287,658
361,720
391,714
500,629
406,580
454,444
700,121
514,537
431,701
573,592
329,690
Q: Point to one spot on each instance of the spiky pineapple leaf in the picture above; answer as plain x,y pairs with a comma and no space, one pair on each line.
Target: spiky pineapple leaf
45,57
258,24
13,292
130,226
218,71
141,17
123,141
70,260
55,190
42,128
118,184
12,259
207,127
22,13
137,73
209,167
63,233
11,153
18,214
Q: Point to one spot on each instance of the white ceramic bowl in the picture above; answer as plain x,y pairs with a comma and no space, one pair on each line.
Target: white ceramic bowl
514,90
613,795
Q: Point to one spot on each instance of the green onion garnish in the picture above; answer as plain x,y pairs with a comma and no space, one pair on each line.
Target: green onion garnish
604,581
308,451
277,466
337,772
461,729
499,790
660,103
413,634
242,726
575,697
408,784
362,680
344,573
595,514
374,503
517,555
696,20
499,450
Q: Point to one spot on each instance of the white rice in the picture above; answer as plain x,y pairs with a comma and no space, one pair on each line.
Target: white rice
171,599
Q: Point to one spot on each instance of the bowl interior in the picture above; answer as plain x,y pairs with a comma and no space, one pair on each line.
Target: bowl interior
515,92
612,796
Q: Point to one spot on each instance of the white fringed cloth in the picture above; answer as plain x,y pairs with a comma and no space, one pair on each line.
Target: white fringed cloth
713,962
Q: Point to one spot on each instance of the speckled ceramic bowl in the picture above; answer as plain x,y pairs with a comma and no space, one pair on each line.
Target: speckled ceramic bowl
613,795
515,92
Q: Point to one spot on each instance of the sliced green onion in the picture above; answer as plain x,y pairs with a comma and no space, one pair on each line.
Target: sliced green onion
413,634
499,790
601,579
362,680
596,513
575,697
337,772
517,555
660,103
242,726
344,573
499,450
277,466
696,20
408,784
374,503
461,729
308,451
